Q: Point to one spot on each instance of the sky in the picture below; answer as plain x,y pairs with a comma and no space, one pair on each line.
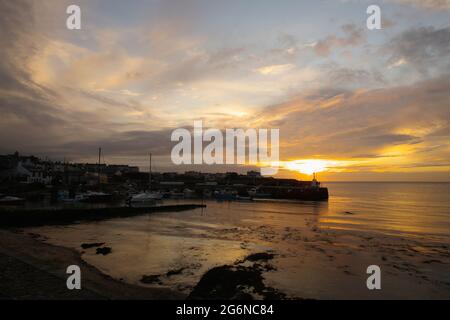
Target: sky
354,103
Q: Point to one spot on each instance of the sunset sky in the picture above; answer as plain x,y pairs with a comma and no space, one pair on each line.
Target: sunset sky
364,105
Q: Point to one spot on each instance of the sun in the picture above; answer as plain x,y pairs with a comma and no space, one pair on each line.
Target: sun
307,166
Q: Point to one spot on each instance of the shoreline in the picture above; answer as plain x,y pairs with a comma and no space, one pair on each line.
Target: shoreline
32,269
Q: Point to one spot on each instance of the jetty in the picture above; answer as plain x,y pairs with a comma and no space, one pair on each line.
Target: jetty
21,218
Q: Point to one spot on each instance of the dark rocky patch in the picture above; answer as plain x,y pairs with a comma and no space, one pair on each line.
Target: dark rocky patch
261,256
92,245
174,272
432,261
349,273
265,267
233,282
242,296
104,251
34,235
151,279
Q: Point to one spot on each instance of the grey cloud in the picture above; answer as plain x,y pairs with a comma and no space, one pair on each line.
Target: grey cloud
200,67
431,4
351,76
392,139
424,48
327,93
372,137
107,100
130,143
353,36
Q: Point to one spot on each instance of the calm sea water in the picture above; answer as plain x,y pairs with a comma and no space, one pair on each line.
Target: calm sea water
400,209
322,249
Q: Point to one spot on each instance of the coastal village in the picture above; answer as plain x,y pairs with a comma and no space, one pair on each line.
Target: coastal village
26,178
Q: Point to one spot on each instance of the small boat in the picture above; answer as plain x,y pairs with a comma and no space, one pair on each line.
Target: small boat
176,195
256,193
9,200
225,195
243,198
146,196
188,193
207,194
94,197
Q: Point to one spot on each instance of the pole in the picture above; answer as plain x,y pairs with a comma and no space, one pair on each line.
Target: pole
150,174
99,157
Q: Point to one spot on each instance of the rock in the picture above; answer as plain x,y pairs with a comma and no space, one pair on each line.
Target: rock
104,251
242,296
432,261
261,256
92,245
151,279
232,282
174,272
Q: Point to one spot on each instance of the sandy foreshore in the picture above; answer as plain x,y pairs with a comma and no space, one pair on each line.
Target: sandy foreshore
32,269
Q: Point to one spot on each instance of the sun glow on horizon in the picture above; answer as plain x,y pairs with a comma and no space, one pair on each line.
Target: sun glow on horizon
311,166
308,166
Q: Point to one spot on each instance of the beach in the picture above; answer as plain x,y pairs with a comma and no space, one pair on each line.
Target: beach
269,249
32,269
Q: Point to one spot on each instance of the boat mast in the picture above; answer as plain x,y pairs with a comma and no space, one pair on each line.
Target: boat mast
150,174
99,159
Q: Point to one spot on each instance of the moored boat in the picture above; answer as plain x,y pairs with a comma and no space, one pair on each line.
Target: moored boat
94,197
9,200
147,197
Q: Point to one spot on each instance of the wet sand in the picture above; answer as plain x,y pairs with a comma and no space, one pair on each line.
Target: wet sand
32,269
